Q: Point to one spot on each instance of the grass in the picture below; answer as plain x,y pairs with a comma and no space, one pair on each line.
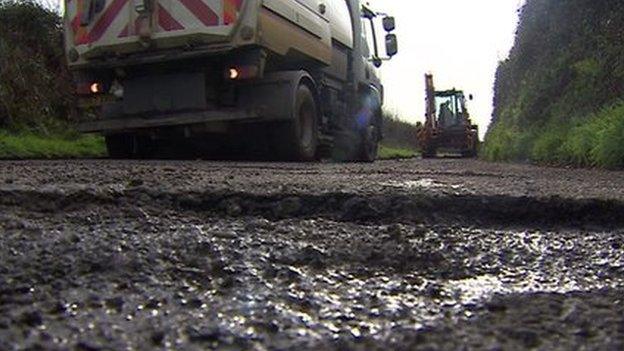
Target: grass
394,153
594,141
599,141
31,146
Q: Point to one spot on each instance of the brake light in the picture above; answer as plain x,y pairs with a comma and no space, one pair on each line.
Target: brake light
233,73
96,88
90,88
241,72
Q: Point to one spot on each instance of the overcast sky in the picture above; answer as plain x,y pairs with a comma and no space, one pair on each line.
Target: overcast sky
459,41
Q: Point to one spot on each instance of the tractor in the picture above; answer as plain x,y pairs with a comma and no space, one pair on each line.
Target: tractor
448,126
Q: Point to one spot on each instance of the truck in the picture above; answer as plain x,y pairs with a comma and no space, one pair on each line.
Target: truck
299,76
448,125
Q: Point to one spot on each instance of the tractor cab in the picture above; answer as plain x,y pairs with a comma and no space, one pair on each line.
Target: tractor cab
451,109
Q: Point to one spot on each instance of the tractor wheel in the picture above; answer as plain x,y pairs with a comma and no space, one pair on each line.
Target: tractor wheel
297,140
475,147
473,151
429,153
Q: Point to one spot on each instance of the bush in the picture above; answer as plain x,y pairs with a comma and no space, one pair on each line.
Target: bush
35,89
546,147
596,140
398,133
579,145
609,130
507,144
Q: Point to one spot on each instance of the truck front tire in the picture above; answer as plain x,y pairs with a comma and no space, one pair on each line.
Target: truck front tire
369,144
297,140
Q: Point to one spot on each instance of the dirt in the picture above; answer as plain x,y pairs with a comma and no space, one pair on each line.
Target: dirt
413,254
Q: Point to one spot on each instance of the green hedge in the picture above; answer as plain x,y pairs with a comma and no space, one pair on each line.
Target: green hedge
399,134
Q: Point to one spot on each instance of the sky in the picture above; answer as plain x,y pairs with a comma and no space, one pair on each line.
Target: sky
459,41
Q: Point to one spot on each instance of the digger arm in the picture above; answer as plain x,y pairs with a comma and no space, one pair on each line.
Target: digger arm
430,113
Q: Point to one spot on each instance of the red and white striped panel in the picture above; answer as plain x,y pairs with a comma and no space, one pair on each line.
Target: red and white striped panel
120,20
112,19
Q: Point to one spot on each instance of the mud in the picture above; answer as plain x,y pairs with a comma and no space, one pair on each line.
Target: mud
447,254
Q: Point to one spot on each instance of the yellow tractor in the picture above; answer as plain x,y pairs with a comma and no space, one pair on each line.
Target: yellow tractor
447,126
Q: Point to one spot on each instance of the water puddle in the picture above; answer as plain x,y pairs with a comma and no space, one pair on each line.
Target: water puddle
425,183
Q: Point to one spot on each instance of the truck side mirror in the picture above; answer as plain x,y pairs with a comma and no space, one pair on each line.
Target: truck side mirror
389,24
377,62
392,45
470,97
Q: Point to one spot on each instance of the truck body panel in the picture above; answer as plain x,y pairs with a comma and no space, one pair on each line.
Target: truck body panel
119,29
311,40
116,27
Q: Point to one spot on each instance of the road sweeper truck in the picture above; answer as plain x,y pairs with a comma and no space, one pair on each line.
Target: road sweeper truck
300,73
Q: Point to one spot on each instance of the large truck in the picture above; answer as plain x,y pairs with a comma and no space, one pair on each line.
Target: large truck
302,74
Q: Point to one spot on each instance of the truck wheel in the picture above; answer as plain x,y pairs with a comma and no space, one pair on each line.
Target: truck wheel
120,145
369,144
298,139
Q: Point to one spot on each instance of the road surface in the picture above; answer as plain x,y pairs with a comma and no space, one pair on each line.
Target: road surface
404,255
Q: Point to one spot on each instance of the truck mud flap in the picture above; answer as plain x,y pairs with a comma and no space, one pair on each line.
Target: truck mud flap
273,97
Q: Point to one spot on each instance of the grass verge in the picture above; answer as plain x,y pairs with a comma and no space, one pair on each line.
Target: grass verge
395,153
596,141
32,146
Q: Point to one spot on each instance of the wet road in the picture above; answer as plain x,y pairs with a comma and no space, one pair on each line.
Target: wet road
416,254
